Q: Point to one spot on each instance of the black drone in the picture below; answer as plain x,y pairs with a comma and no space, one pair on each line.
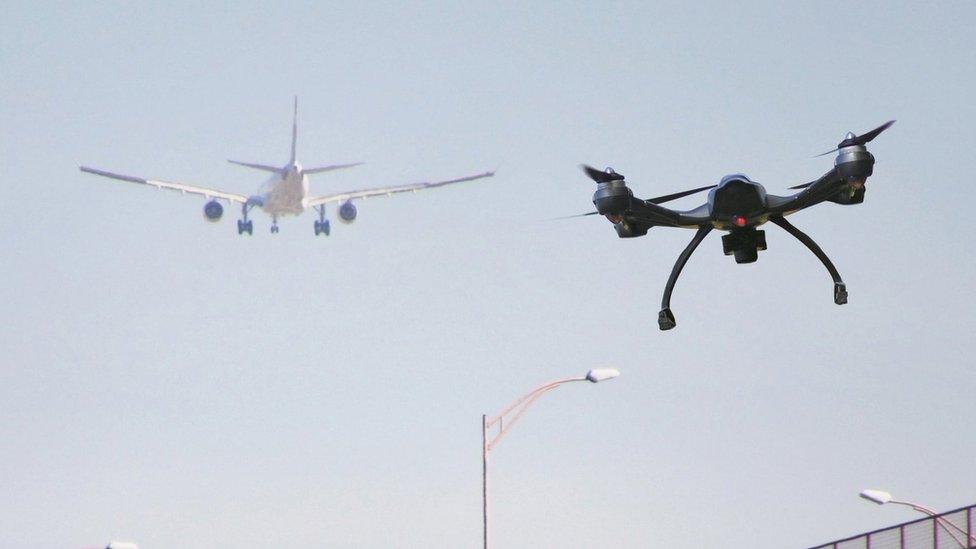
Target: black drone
738,205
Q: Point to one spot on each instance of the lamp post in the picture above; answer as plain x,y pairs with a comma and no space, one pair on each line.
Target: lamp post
518,407
881,497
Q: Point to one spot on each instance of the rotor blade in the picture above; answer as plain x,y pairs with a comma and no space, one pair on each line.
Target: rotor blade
601,176
803,186
575,216
862,139
675,196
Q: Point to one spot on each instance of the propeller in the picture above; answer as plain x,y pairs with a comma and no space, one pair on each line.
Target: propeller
851,139
608,176
575,216
605,176
682,194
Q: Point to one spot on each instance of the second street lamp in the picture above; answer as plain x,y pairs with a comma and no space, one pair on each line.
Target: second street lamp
518,407
881,497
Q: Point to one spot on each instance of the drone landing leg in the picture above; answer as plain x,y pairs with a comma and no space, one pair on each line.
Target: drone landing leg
840,290
665,319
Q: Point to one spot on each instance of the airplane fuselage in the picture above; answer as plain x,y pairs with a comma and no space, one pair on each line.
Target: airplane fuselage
285,194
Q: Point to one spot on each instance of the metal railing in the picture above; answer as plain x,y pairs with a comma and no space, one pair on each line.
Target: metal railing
950,530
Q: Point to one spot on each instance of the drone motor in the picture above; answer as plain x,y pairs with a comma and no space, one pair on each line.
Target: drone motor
854,163
612,196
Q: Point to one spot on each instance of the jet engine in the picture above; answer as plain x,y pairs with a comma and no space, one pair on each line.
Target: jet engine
212,211
347,212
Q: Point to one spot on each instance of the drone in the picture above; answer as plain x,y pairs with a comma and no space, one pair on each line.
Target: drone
738,206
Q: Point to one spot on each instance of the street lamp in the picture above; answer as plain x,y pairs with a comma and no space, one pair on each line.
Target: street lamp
881,497
518,407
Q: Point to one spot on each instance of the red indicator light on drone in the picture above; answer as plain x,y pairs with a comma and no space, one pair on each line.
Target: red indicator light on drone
739,221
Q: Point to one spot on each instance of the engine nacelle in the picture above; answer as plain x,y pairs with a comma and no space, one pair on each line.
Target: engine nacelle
347,212
612,197
213,211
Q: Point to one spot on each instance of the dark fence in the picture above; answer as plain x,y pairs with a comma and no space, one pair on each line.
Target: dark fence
950,530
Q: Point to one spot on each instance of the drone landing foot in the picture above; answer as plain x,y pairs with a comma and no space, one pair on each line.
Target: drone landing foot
840,293
665,319
840,290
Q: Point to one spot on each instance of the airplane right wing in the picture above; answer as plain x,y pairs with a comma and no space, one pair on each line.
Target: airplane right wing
385,191
182,187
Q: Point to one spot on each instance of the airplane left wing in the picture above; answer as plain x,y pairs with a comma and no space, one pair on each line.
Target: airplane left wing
384,191
182,187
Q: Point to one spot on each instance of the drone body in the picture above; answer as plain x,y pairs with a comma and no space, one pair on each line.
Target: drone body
738,205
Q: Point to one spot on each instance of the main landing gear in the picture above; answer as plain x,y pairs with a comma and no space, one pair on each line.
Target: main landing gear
244,225
840,290
322,225
274,224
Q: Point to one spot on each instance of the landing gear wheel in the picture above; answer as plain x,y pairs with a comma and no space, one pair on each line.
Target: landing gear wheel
274,229
322,227
665,319
840,293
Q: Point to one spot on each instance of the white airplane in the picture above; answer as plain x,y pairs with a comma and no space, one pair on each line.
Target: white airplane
286,193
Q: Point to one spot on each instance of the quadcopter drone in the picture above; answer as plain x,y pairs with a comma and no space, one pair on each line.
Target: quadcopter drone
738,205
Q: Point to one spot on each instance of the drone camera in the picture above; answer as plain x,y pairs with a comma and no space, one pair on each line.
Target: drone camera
744,244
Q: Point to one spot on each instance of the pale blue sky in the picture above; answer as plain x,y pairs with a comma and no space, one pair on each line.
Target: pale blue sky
169,382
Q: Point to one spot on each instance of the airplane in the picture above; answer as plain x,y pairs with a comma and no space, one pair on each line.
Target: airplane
286,193
738,205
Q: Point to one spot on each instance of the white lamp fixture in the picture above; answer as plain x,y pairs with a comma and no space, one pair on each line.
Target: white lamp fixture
877,496
601,374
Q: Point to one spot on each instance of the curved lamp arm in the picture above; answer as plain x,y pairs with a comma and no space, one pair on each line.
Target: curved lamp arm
521,404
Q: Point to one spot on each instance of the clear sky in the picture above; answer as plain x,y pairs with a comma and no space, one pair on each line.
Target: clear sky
166,381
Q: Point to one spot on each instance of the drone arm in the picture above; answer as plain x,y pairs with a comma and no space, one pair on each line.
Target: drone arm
840,290
649,212
665,318
652,213
813,193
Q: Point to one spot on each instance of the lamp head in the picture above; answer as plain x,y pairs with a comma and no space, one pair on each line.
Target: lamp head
877,496
601,374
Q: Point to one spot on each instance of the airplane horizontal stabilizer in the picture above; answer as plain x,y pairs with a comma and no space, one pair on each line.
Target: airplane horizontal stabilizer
310,171
262,167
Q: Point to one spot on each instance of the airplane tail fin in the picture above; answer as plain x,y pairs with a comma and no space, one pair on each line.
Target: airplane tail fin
294,131
262,167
